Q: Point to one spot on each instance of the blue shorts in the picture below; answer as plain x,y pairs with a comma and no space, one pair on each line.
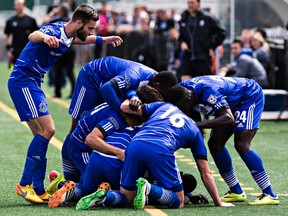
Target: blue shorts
157,160
248,114
85,96
80,157
101,168
27,96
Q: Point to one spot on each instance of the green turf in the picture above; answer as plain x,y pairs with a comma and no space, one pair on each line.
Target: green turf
270,142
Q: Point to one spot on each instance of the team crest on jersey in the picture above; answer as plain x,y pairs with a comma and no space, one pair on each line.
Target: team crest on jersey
48,29
212,99
43,107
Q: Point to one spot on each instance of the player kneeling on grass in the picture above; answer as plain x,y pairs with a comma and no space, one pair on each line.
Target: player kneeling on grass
152,149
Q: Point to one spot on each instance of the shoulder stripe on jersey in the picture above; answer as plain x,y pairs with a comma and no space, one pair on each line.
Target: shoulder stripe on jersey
107,126
30,102
21,60
79,102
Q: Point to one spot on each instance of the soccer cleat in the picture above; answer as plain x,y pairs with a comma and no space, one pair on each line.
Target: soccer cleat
265,199
94,199
233,197
53,187
28,193
45,198
142,193
64,194
104,186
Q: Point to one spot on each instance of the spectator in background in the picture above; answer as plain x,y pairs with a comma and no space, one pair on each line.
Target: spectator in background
65,64
199,33
244,66
246,35
261,53
103,27
164,22
17,29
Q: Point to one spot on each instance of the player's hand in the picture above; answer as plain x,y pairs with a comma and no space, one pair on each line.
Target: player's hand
121,155
51,41
114,40
224,204
198,199
134,103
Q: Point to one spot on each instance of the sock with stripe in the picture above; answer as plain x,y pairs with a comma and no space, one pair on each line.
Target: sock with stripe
256,167
223,162
35,154
115,199
163,196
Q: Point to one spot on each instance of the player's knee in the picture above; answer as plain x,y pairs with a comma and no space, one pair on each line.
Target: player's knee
49,131
242,147
214,146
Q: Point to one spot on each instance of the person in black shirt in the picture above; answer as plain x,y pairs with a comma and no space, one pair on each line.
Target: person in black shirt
17,29
200,34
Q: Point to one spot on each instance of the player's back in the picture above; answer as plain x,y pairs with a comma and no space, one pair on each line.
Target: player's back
104,69
168,126
90,120
233,89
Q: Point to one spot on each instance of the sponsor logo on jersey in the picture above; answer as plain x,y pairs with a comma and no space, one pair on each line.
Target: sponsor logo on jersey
212,99
114,122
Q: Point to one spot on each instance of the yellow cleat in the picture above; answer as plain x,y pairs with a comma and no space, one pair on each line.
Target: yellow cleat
45,198
53,187
233,197
265,199
28,193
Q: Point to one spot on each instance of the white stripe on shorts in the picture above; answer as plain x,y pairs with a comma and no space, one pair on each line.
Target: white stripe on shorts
78,102
250,117
85,157
30,102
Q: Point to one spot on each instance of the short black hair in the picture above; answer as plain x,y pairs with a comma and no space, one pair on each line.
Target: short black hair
239,42
175,94
189,182
166,79
85,13
148,94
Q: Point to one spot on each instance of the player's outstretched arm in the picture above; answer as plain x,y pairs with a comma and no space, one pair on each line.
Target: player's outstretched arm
93,39
209,182
224,118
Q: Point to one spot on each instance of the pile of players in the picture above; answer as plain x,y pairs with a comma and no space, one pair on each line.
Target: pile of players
134,134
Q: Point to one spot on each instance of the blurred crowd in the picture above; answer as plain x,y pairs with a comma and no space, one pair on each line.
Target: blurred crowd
162,39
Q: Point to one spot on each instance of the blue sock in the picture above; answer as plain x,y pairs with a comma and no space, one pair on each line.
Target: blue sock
77,194
165,197
223,162
70,170
115,199
256,167
36,152
38,177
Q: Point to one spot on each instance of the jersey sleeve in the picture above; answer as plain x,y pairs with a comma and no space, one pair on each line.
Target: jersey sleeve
197,146
214,99
48,29
111,124
149,109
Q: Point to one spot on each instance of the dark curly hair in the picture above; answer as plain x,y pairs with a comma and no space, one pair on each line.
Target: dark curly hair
148,94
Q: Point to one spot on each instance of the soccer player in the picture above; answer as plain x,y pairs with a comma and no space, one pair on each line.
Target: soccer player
44,48
237,104
152,148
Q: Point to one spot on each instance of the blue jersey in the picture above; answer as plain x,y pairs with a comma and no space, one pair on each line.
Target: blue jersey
168,126
127,74
102,117
214,92
37,58
120,139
